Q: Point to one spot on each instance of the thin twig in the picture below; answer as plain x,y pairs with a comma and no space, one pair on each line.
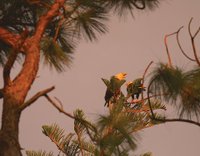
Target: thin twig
167,49
192,41
61,105
144,74
61,110
146,98
58,108
196,32
35,97
179,44
178,120
58,28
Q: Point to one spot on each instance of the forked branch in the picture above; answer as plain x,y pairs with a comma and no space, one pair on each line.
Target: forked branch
192,37
179,45
36,97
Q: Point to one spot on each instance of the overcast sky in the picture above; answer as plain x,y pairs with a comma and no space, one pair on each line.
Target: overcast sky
128,47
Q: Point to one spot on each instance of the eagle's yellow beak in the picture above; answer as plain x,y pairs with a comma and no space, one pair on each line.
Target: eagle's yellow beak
121,76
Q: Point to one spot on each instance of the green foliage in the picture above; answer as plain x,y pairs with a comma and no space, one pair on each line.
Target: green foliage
112,134
90,21
40,153
63,142
121,7
116,127
54,56
80,19
178,87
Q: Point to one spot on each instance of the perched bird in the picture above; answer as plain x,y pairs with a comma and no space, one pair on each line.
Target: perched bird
113,86
135,88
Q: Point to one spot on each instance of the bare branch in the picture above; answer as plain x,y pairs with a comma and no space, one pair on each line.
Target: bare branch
179,44
144,74
192,41
36,96
189,27
61,110
177,120
167,49
58,108
61,105
196,32
146,98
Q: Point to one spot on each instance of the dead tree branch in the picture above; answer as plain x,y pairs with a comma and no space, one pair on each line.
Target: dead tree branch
179,45
192,38
144,74
86,123
36,96
61,110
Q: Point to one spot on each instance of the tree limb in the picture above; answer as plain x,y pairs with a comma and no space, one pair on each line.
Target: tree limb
192,37
8,66
18,44
45,19
143,76
179,44
8,37
36,96
58,108
61,110
167,49
178,120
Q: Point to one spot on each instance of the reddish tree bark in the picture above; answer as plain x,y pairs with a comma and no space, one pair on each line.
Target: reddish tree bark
15,91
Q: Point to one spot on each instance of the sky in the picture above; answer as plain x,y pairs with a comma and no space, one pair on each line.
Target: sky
128,47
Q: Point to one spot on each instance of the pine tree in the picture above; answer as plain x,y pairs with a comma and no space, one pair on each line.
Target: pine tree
177,86
51,28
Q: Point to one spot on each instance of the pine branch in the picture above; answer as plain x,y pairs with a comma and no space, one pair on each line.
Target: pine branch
39,153
61,110
153,116
65,143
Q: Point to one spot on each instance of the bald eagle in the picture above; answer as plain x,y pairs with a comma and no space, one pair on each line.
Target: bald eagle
113,86
135,88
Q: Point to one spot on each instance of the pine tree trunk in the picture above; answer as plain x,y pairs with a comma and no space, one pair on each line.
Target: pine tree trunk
9,142
14,96
15,91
